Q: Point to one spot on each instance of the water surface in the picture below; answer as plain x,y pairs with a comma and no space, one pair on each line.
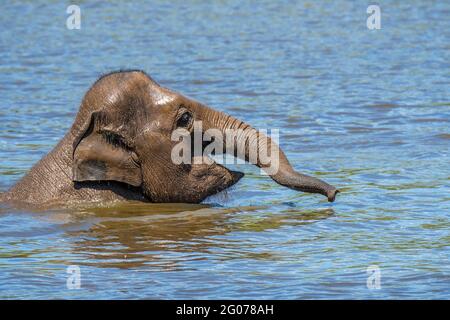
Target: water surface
366,110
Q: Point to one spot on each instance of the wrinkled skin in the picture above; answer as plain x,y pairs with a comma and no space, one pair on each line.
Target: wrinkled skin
119,148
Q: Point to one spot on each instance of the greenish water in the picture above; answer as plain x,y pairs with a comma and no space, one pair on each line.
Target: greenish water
366,110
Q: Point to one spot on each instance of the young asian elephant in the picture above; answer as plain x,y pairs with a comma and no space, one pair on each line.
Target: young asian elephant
119,148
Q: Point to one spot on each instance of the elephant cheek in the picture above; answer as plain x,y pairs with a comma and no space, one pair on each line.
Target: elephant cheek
164,187
156,188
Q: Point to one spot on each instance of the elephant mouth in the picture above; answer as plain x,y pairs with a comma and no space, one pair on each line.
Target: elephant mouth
215,176
222,191
212,176
237,176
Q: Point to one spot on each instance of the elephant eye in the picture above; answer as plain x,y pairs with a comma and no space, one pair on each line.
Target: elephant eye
185,120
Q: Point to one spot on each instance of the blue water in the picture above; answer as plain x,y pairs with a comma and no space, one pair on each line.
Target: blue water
366,110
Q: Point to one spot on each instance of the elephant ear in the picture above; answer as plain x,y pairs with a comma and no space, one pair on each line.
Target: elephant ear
101,155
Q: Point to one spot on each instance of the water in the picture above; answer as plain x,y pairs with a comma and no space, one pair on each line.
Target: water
366,110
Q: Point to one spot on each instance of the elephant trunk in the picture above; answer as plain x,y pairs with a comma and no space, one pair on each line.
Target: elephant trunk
248,138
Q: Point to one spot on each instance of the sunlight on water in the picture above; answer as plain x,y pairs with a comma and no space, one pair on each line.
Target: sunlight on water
366,110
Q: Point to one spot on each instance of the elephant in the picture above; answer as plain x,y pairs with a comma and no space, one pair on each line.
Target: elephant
119,148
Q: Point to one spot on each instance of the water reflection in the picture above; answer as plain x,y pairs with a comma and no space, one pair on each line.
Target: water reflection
162,235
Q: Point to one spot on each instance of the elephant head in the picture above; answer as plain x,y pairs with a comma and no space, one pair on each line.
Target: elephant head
123,133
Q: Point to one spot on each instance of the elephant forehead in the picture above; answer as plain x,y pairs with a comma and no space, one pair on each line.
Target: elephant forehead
162,96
